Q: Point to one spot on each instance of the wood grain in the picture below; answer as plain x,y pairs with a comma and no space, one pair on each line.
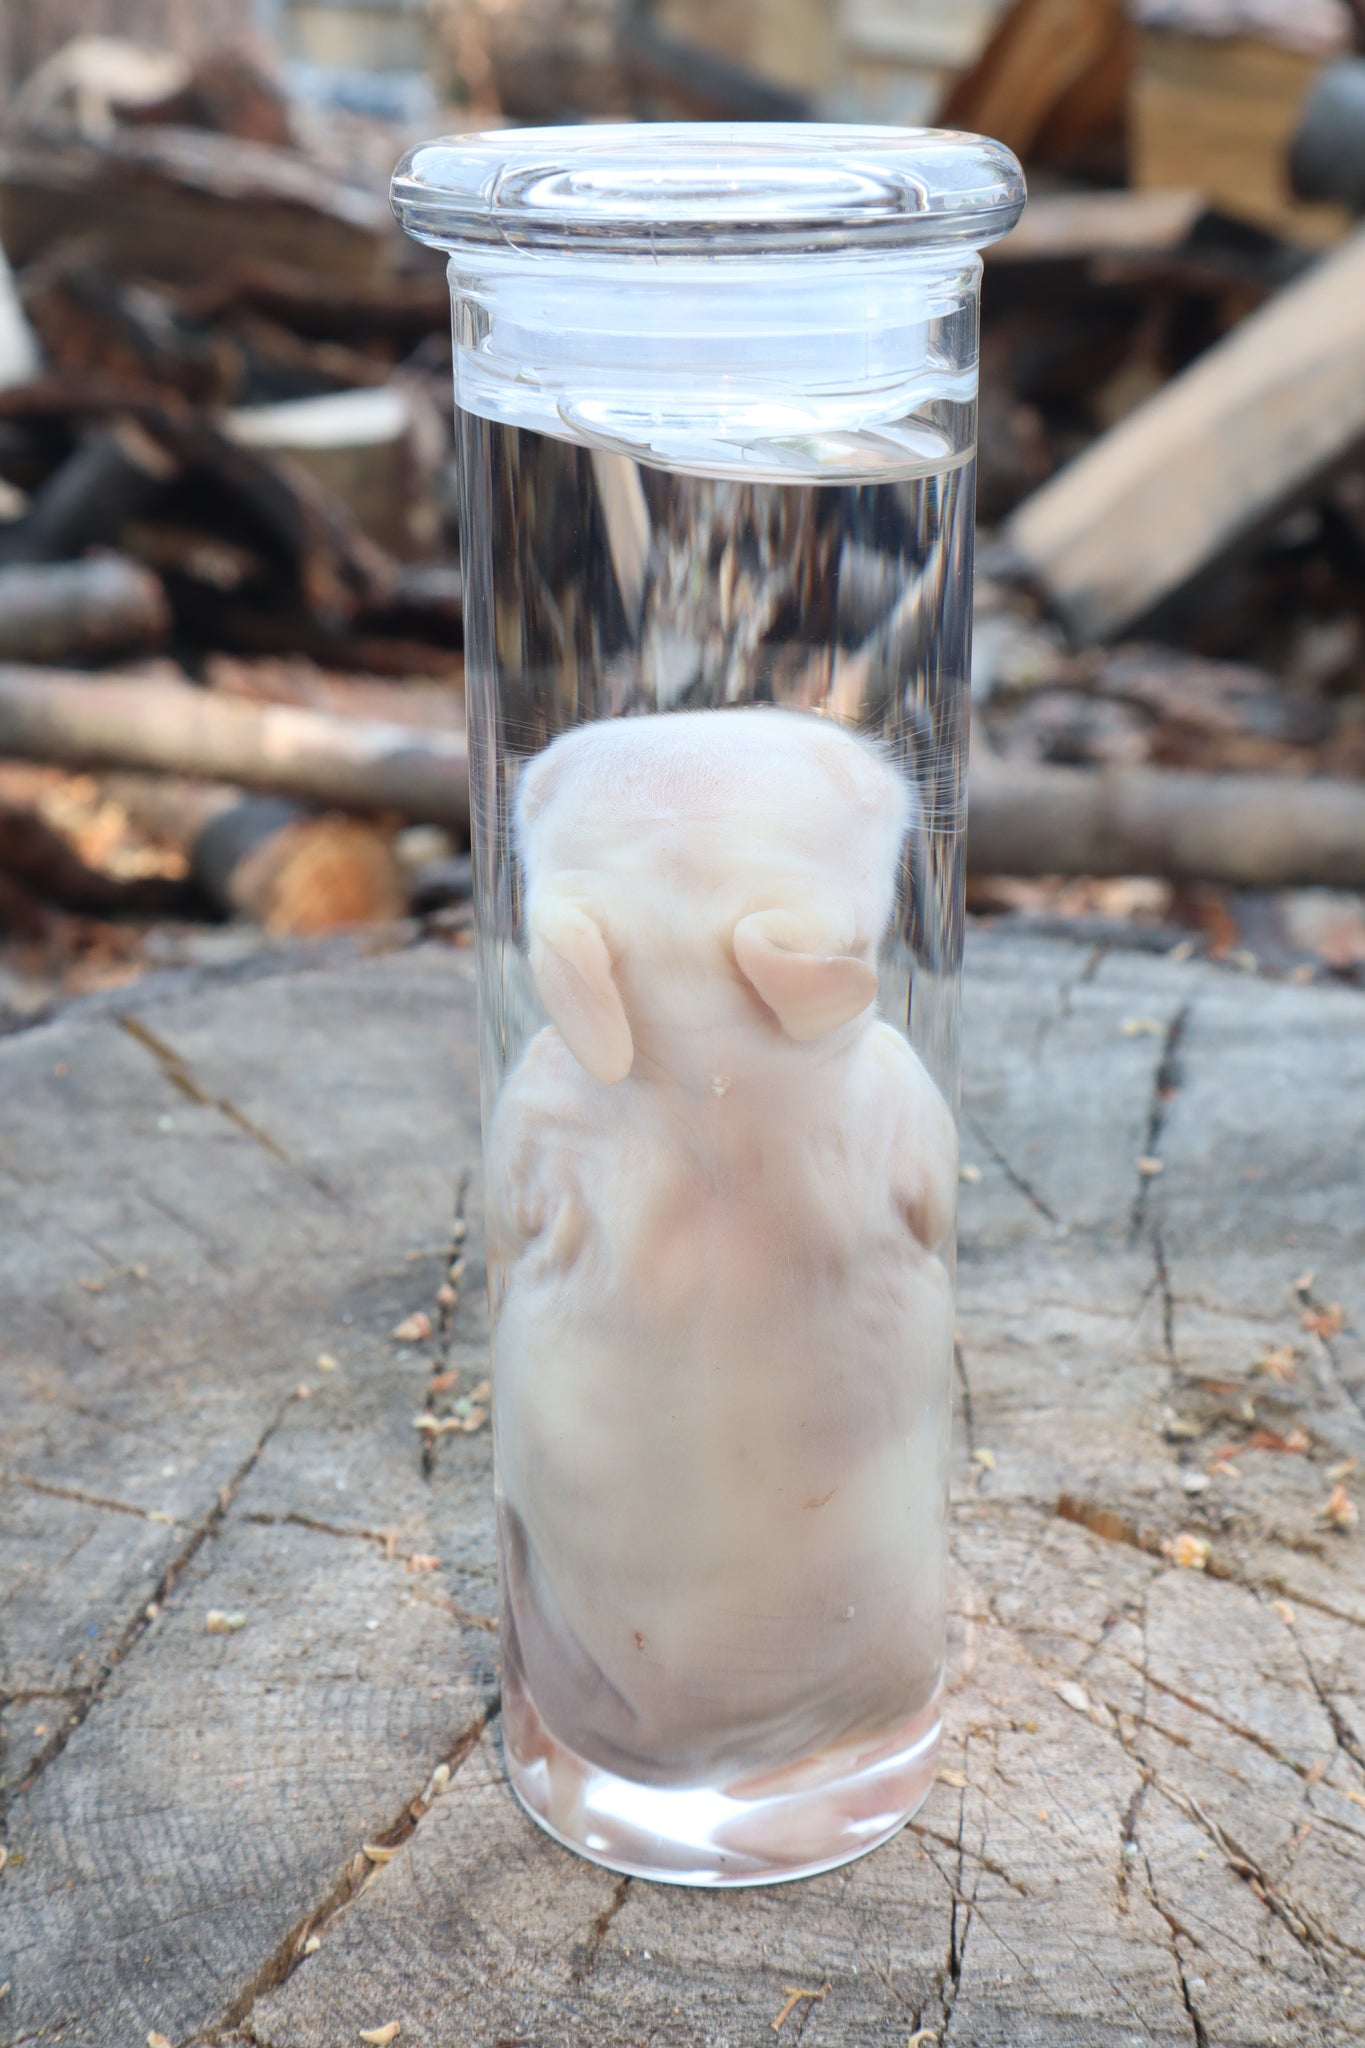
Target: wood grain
1151,1822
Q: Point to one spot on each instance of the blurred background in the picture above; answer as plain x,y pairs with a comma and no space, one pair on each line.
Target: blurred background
229,561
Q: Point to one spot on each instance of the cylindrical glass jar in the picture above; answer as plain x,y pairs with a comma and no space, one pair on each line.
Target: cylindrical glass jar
716,390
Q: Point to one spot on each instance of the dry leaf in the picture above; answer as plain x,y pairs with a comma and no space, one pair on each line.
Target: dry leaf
1190,1552
475,1419
1075,1695
216,1623
381,2036
377,1852
312,1945
1271,1440
1325,1322
1280,1363
414,1329
1341,1511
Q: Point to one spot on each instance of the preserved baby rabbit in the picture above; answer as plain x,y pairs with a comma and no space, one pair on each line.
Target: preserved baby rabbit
716,411
718,1188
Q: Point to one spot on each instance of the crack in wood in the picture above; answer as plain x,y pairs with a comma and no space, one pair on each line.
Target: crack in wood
965,1394
585,1961
1166,1082
87,1500
1313,1939
447,1308
1017,1180
179,1074
1176,1931
356,1875
1342,1732
88,1696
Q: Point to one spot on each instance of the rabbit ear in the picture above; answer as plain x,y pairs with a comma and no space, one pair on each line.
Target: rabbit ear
809,990
573,976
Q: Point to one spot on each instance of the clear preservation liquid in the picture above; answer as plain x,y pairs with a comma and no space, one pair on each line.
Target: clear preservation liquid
722,1327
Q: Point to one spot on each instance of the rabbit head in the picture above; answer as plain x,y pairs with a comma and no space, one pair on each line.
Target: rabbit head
695,878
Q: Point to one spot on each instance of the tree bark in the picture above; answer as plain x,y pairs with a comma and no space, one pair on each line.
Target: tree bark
78,610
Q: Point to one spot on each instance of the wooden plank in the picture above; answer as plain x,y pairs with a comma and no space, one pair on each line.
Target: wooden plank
1202,467
1149,1826
1219,112
1071,227
1052,78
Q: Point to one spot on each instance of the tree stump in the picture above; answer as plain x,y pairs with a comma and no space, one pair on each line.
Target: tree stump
227,1360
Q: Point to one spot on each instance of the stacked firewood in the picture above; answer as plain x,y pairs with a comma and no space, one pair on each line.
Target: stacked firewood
230,619
225,475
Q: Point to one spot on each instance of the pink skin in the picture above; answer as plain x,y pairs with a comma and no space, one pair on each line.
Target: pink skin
718,1188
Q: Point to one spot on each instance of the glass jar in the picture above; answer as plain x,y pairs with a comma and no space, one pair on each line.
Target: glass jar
716,393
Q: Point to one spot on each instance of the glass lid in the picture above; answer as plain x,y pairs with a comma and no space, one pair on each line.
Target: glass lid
708,189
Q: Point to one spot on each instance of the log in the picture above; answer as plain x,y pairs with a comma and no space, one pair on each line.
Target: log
171,728
1205,465
362,446
1219,112
91,322
40,863
1147,1821
80,610
180,203
1079,227
268,858
110,478
1052,78
1252,831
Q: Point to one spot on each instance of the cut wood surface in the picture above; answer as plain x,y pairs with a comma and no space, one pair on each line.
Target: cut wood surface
1206,463
225,1195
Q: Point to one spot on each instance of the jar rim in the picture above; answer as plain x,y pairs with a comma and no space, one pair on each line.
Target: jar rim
710,189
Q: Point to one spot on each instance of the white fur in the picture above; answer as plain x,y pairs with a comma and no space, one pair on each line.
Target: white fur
725,1328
